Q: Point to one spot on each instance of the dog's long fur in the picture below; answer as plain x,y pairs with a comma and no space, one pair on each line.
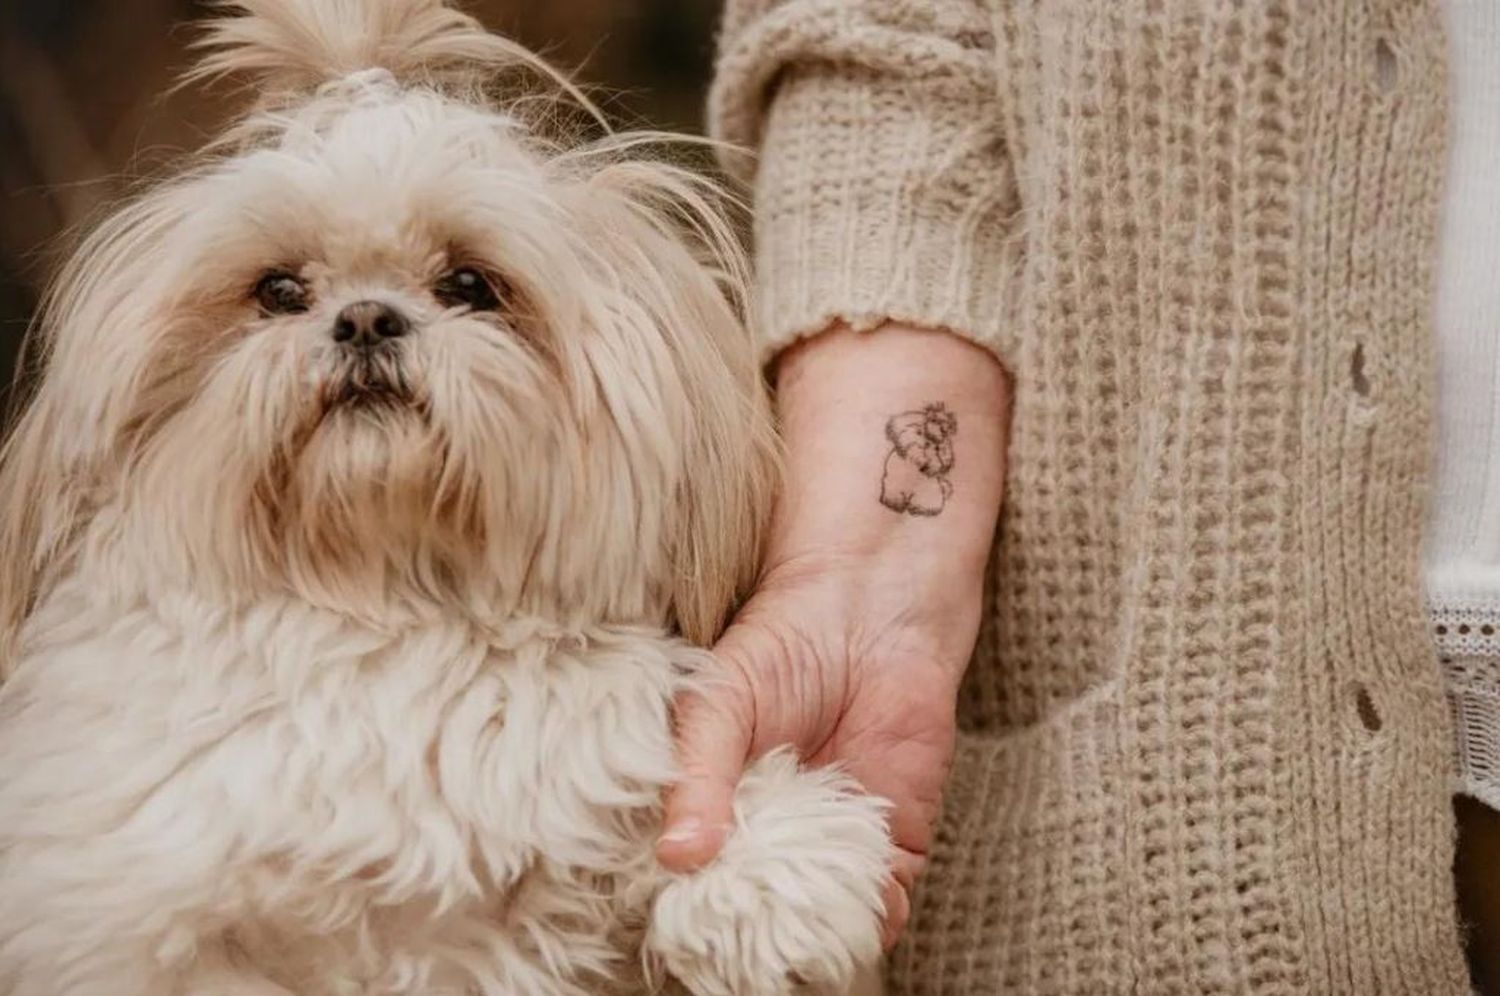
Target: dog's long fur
335,674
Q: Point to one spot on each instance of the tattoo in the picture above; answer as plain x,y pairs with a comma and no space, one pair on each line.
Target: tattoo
915,481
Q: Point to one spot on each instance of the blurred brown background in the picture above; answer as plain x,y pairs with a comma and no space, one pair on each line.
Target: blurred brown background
83,105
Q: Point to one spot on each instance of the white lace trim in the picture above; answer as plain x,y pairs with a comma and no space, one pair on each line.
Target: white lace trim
1467,630
1468,643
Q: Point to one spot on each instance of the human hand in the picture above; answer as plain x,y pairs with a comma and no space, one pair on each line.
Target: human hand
833,659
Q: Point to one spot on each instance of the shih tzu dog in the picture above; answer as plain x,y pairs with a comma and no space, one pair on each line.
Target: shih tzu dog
386,467
915,480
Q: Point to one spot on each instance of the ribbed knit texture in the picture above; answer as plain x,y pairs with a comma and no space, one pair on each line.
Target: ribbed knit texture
1205,747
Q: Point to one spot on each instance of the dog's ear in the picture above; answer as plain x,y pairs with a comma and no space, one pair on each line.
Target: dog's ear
90,363
39,501
724,506
733,456
680,256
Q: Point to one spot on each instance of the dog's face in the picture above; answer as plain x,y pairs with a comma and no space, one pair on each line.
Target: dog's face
393,348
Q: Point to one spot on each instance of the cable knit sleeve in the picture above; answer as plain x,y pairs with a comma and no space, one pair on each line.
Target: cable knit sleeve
882,185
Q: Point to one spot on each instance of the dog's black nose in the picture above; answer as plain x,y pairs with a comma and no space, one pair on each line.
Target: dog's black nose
365,323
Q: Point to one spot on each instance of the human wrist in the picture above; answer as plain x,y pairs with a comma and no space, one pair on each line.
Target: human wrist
844,400
935,609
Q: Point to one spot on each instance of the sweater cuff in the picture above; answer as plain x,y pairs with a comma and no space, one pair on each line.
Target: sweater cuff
876,202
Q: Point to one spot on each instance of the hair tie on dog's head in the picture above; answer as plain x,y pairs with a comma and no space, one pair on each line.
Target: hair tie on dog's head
372,78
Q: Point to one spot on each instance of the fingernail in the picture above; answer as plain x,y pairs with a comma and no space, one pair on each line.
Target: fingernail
683,831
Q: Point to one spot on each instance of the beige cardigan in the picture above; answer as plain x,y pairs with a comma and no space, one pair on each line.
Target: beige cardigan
1205,745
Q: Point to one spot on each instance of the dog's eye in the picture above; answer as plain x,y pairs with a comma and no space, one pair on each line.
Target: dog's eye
467,287
280,293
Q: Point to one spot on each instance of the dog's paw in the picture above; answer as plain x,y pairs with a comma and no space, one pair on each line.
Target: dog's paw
793,902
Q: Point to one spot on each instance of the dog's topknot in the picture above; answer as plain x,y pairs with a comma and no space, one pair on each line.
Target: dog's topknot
294,46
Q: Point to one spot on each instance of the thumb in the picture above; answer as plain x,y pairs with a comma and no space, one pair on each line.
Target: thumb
714,724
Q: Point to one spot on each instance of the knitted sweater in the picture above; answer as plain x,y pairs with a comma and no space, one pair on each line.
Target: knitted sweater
1204,744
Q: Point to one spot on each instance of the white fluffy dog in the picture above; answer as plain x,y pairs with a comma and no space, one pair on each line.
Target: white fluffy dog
385,467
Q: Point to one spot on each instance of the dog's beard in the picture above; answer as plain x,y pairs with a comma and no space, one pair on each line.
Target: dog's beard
367,379
365,499
379,486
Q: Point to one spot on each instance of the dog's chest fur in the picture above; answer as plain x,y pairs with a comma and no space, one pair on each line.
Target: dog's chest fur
343,795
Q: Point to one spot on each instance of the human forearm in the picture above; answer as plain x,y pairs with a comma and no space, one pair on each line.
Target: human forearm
920,526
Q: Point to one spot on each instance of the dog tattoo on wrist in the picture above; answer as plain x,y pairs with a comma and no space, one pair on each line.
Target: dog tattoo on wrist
915,481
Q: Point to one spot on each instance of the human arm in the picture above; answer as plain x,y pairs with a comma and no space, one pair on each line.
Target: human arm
885,200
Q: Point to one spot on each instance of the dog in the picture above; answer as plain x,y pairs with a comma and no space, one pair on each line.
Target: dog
388,467
915,480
